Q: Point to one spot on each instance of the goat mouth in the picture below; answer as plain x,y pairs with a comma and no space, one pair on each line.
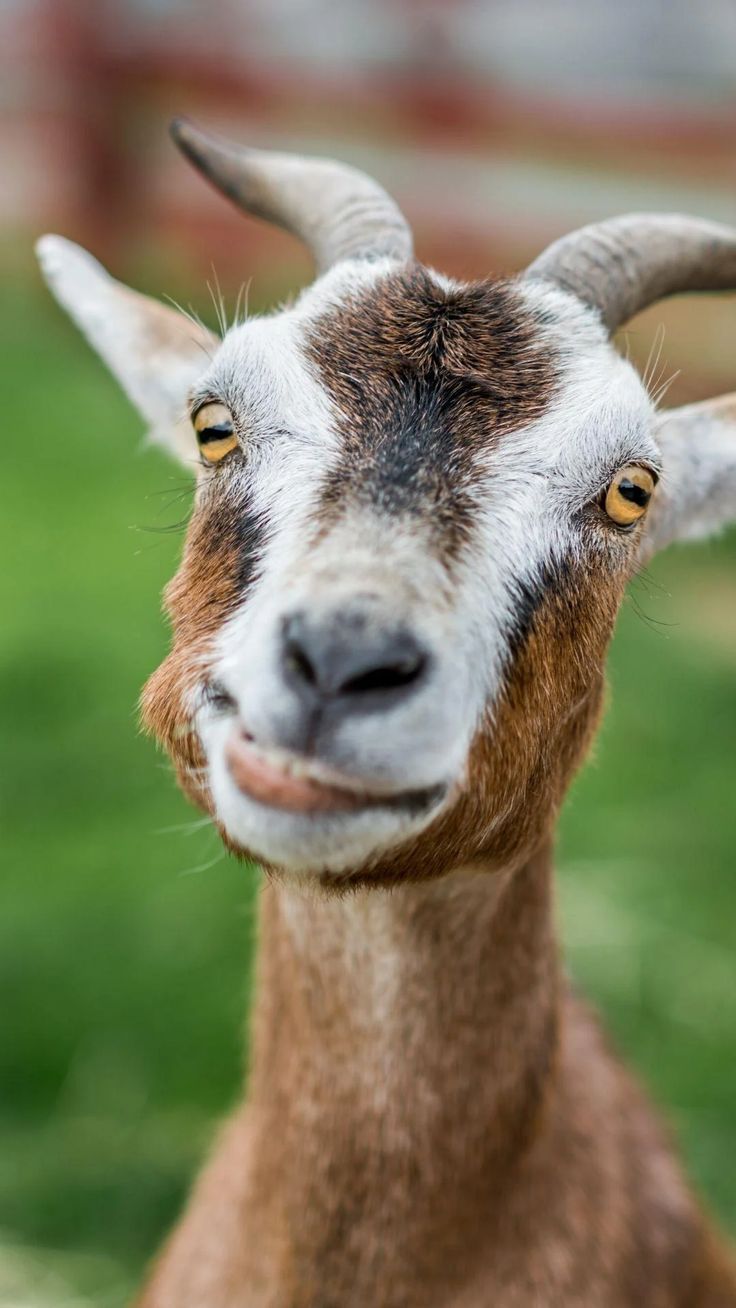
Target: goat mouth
286,781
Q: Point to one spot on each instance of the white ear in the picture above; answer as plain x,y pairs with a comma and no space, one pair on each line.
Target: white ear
156,353
697,493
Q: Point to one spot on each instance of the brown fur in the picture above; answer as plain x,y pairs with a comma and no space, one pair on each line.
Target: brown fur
433,1118
220,559
443,373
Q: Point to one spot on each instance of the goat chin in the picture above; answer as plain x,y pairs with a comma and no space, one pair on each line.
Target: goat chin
320,841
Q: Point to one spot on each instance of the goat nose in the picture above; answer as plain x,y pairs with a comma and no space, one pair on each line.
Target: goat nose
346,656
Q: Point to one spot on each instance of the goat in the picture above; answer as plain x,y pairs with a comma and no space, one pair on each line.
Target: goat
418,505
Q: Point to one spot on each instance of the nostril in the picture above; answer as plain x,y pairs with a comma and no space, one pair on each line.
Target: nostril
298,661
391,676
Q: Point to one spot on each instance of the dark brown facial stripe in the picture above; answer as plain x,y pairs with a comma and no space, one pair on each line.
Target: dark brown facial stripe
221,561
252,533
229,529
423,378
407,462
528,597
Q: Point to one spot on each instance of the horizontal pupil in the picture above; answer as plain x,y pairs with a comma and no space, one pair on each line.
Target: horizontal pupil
636,494
218,433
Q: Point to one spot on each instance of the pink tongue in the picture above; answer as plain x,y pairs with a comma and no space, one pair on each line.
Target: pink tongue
272,785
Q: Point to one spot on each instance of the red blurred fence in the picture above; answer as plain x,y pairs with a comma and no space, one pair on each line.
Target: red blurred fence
497,123
479,160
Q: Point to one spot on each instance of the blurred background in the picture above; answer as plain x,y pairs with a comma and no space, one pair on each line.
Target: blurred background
125,933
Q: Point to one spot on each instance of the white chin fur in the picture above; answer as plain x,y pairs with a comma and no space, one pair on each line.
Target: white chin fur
298,842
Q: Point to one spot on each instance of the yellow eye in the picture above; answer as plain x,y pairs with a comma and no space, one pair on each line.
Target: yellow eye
628,495
215,434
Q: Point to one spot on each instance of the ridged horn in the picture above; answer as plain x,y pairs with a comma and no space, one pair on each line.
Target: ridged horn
624,264
337,211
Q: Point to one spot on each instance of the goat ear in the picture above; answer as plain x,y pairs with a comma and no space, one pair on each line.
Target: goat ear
697,493
156,353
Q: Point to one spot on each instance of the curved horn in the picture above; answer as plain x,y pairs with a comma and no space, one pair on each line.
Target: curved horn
337,211
620,266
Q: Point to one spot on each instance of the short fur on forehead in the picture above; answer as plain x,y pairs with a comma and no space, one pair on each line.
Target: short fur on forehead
423,373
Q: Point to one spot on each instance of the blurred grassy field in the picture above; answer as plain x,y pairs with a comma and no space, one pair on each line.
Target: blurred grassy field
125,935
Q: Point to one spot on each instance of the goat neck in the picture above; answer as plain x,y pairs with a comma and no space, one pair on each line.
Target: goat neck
403,1047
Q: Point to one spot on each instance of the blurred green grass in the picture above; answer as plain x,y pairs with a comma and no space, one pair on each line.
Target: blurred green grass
125,934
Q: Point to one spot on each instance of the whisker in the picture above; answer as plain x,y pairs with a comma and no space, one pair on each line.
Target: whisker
181,488
657,625
645,582
646,577
184,828
167,530
660,393
655,352
204,867
196,321
218,301
241,304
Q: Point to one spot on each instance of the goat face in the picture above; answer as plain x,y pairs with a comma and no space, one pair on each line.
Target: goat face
403,541
409,543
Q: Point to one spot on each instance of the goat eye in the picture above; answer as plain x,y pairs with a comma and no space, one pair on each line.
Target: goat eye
216,437
628,495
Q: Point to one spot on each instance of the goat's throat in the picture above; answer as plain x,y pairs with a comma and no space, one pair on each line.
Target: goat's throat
409,1031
